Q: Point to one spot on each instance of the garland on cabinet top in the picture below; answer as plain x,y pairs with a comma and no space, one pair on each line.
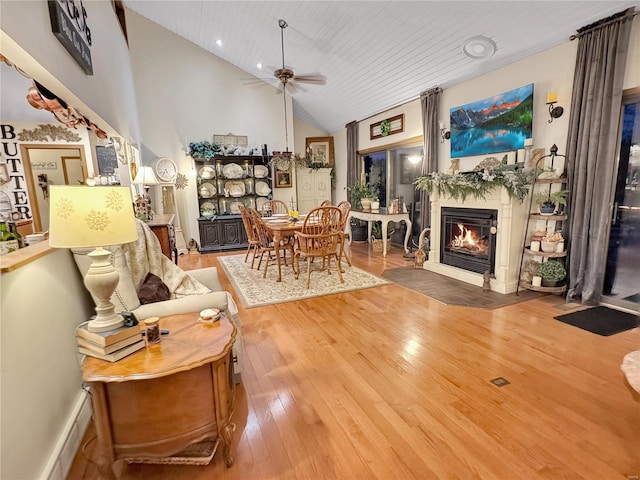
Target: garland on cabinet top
478,184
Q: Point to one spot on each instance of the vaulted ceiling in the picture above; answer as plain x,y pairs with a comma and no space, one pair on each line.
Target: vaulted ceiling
375,55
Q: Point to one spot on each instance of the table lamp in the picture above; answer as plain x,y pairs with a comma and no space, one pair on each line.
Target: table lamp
82,216
144,177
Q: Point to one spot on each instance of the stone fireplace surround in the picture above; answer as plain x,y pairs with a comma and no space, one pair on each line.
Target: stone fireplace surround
512,218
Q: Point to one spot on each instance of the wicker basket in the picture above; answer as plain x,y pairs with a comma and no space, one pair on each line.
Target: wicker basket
376,244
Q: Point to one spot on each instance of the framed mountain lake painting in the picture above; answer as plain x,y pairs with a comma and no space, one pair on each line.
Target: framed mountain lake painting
496,124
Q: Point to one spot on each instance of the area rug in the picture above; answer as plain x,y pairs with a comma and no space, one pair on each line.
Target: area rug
601,320
451,291
255,291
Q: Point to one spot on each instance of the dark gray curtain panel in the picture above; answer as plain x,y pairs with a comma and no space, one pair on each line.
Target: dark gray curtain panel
353,174
430,102
591,149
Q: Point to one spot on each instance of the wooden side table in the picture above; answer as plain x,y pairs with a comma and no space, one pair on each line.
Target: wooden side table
162,226
170,402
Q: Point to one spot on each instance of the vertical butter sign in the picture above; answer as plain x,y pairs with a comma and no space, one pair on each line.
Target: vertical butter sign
69,25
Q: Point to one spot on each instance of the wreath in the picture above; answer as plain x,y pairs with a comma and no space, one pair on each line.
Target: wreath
385,128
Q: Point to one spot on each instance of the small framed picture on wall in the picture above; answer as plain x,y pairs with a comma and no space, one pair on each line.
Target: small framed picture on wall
283,179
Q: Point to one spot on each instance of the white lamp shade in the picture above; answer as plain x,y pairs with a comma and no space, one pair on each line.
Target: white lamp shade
145,176
83,216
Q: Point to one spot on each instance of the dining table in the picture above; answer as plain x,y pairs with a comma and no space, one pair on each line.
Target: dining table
280,230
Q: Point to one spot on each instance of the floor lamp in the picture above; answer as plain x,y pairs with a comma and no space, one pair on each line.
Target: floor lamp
81,216
413,160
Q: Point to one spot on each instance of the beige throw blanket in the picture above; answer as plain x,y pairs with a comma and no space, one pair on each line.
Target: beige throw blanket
145,255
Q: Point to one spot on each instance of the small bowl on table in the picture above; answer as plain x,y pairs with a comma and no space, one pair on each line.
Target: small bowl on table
209,315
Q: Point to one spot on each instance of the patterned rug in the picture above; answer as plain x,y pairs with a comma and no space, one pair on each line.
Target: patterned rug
255,291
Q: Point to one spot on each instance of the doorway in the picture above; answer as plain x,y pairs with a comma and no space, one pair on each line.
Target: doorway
621,287
50,165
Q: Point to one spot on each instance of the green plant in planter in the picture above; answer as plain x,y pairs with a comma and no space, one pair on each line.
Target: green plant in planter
551,271
205,149
357,192
547,202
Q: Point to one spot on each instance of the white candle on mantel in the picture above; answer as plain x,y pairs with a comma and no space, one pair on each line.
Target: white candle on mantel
441,125
511,158
528,142
521,155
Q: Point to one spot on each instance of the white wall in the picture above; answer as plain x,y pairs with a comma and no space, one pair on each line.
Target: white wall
186,94
42,303
107,97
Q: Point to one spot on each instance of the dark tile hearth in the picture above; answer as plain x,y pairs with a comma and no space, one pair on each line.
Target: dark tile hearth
451,291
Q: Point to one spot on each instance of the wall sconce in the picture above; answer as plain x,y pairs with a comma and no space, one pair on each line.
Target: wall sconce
554,112
444,133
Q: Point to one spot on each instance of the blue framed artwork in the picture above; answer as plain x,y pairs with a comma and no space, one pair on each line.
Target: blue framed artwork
496,124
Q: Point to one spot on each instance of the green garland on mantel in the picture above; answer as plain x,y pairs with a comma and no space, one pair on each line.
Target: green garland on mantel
459,186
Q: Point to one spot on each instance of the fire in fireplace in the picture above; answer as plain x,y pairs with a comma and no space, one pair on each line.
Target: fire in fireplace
469,238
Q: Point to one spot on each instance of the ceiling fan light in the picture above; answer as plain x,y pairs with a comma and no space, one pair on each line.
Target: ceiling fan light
479,47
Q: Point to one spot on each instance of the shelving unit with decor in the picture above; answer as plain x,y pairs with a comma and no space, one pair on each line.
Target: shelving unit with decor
552,222
224,183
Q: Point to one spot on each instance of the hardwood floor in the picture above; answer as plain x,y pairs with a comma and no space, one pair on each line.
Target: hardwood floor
384,383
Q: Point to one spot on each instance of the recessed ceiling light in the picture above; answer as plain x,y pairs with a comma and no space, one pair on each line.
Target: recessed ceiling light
479,47
259,66
219,43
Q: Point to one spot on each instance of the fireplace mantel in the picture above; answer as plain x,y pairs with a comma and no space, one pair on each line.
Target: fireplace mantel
512,217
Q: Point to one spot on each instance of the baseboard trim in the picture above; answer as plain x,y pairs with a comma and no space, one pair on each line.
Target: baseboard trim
68,442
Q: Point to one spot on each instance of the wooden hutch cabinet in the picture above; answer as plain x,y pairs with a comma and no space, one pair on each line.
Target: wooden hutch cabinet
225,183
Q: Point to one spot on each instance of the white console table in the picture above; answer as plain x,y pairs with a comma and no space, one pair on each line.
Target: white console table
381,216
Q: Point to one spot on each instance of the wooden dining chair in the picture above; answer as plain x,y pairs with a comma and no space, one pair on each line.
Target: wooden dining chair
345,208
320,238
326,203
273,207
252,235
266,244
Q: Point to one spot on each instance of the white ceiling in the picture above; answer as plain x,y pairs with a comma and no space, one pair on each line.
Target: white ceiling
375,55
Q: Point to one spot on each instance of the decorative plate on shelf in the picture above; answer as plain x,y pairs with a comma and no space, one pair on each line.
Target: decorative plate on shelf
207,210
206,172
233,170
259,202
235,207
207,190
260,171
262,189
235,188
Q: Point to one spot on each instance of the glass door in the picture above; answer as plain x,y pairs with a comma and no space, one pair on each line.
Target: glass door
621,287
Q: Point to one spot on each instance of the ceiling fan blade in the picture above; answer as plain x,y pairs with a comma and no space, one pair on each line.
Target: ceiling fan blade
315,78
296,86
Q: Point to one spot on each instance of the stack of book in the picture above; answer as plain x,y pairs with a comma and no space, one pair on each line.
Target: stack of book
111,345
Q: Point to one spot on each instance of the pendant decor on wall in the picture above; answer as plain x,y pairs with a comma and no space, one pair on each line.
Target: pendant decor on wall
181,181
386,127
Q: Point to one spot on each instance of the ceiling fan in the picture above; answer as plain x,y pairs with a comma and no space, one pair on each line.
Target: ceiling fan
289,79
286,75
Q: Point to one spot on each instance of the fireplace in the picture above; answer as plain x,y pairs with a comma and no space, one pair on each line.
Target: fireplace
508,218
469,238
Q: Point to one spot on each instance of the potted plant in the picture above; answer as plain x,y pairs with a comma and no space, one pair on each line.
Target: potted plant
205,149
548,202
357,192
552,273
